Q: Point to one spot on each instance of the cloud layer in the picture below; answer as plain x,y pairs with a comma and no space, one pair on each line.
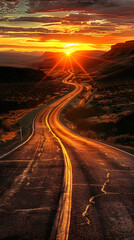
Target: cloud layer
79,19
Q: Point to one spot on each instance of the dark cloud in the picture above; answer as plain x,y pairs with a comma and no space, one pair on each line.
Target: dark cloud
114,12
80,17
97,29
20,29
105,17
71,18
88,10
67,5
8,5
103,7
60,5
38,19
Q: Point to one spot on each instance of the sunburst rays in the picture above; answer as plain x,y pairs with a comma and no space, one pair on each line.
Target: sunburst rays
68,60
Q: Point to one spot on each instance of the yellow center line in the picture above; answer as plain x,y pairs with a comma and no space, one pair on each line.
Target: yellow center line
62,221
61,225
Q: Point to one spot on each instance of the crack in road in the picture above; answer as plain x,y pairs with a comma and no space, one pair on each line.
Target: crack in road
91,200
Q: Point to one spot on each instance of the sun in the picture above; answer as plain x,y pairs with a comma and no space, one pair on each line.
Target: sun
67,53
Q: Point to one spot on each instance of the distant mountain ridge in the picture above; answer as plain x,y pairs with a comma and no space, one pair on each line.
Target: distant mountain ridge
119,53
50,58
117,64
39,60
120,50
19,59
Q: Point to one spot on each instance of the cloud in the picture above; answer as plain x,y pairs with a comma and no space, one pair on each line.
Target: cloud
6,30
37,19
96,29
67,5
114,11
79,17
8,5
97,23
80,20
106,8
60,5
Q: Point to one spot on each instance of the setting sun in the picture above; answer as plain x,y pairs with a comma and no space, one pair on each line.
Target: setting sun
67,53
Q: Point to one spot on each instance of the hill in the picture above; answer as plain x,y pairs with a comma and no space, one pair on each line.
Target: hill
121,50
19,59
116,64
50,58
19,75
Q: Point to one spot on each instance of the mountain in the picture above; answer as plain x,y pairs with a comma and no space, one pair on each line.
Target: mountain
19,59
116,64
90,54
52,58
121,50
49,59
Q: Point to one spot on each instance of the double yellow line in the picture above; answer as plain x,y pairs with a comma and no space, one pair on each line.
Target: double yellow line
61,225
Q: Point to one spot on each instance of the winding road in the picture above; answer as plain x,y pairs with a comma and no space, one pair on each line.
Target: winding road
59,185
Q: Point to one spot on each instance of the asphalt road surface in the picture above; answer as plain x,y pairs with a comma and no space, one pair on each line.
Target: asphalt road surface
59,185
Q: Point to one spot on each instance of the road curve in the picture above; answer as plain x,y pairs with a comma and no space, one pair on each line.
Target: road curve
24,172
68,186
103,185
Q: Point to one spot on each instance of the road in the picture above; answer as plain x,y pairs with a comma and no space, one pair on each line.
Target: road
60,185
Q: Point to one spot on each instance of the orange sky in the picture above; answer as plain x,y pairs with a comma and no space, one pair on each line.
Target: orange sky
65,25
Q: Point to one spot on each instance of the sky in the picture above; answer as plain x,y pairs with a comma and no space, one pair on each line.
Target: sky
64,25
